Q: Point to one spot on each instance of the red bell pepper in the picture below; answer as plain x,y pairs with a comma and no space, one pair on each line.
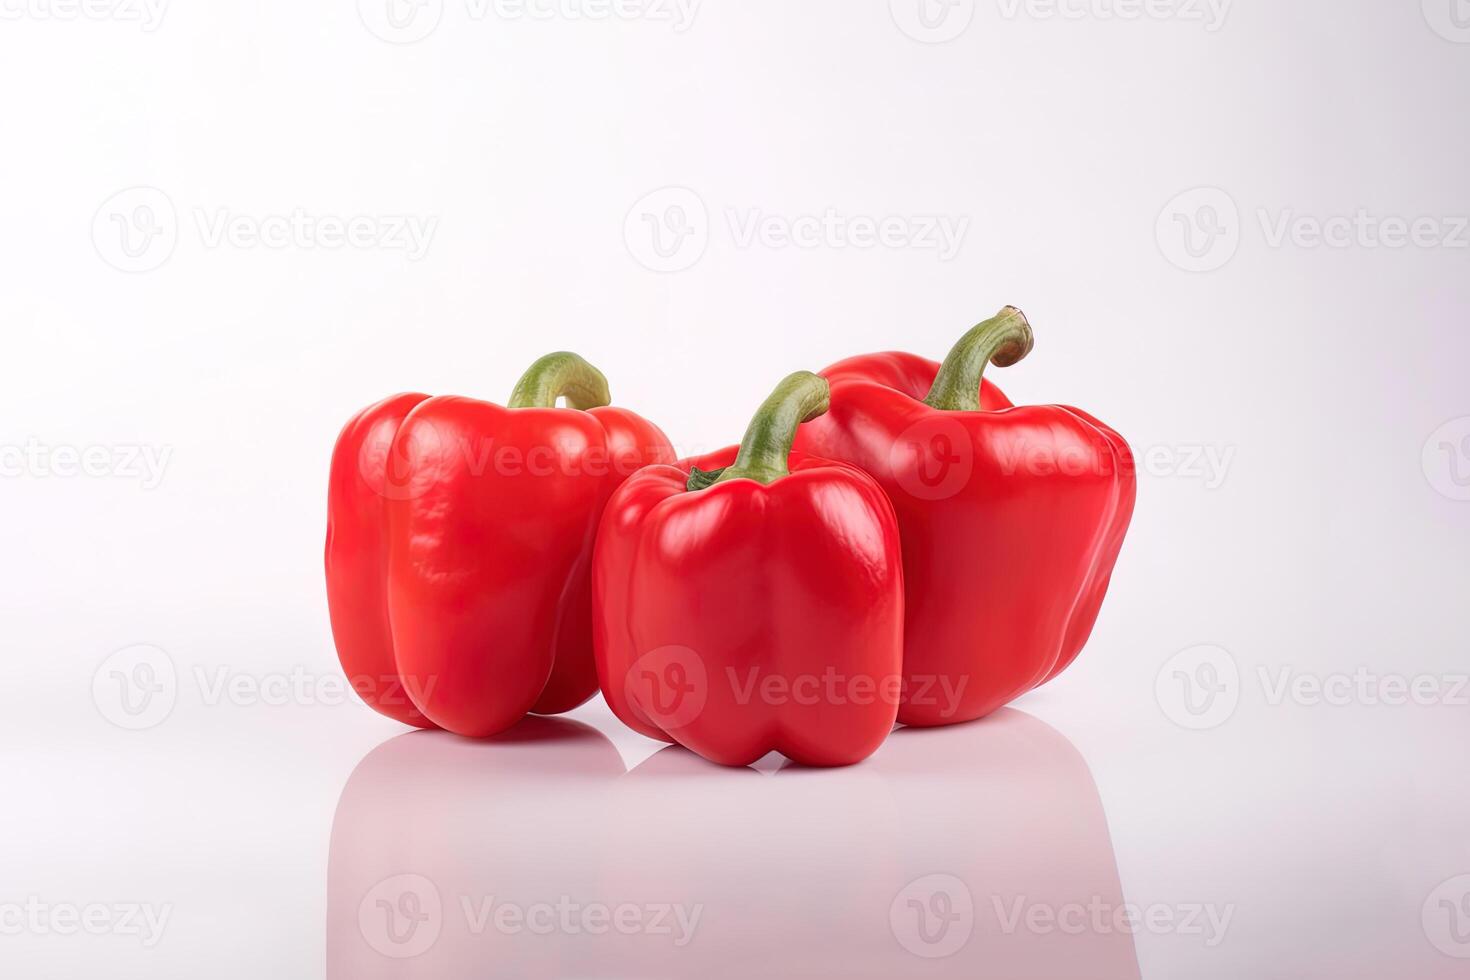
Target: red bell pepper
459,545
757,607
1011,518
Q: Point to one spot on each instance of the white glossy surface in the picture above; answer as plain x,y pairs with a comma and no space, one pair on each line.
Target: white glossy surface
263,839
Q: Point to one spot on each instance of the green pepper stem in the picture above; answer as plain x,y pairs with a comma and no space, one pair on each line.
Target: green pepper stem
560,375
766,448
1002,340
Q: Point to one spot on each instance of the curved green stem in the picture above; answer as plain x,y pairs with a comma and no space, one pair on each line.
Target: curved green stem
1002,340
560,375
766,448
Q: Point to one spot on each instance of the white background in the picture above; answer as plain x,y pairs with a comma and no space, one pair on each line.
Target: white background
1073,147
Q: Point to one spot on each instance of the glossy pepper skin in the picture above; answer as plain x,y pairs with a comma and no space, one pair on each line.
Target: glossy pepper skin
459,545
1011,517
757,607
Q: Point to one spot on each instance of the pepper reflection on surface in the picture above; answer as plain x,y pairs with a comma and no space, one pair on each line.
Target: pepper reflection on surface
973,851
